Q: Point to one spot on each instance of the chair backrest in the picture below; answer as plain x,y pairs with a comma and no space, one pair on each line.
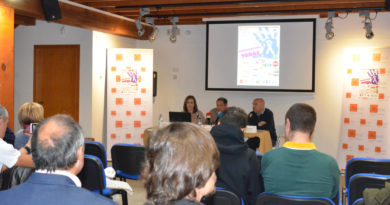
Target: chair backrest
359,182
358,202
92,175
128,158
266,198
223,197
14,176
96,149
366,165
259,156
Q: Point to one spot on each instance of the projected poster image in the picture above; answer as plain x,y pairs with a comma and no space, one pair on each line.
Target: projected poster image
258,55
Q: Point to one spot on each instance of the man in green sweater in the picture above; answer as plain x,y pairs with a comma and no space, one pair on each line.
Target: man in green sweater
298,168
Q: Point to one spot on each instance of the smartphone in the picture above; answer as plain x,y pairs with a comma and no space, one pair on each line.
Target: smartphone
32,127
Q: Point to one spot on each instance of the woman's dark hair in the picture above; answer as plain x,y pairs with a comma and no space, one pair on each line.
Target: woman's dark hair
185,104
179,158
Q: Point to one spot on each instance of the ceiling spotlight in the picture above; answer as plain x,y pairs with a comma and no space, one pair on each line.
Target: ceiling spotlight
174,31
142,12
329,26
367,23
153,35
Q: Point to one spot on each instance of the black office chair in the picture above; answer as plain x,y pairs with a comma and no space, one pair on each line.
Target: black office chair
14,176
359,201
127,160
364,165
93,178
359,182
96,149
259,156
266,198
223,197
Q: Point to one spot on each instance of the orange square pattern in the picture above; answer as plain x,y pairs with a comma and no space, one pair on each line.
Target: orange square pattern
353,107
137,57
348,95
378,149
143,113
143,69
128,112
137,124
113,90
128,68
379,123
113,113
348,157
346,120
118,124
361,147
376,57
351,133
128,136
113,68
142,135
373,108
355,82
382,71
381,96
345,146
137,101
139,79
118,78
362,121
119,101
371,135
113,136
119,57
143,90
356,57
349,71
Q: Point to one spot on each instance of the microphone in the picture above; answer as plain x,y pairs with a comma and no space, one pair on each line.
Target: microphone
208,118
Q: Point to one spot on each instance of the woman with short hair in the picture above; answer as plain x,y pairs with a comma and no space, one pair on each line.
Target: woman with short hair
180,165
29,112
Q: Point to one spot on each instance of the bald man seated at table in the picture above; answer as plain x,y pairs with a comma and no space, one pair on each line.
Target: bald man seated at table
263,118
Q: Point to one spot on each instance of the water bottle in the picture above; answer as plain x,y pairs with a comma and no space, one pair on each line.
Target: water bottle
160,121
199,120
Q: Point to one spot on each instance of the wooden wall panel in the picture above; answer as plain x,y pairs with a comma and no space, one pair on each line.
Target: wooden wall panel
7,60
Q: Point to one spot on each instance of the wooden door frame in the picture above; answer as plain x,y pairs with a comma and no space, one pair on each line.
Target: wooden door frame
77,77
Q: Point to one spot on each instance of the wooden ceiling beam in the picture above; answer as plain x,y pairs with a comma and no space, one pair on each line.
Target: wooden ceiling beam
189,3
24,20
81,17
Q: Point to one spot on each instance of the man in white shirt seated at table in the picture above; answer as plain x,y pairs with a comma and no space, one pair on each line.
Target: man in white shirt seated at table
58,154
9,156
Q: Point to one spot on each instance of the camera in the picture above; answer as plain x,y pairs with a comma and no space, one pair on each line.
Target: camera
33,126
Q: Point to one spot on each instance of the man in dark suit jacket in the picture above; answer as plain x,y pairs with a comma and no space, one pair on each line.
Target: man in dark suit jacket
263,118
58,155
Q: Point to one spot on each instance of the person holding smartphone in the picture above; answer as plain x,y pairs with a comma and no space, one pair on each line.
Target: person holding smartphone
29,115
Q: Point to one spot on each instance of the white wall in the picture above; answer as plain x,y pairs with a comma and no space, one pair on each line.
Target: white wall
44,33
102,41
186,59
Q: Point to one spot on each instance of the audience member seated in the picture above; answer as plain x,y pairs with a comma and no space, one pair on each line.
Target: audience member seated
216,113
239,170
9,156
298,168
29,112
263,118
181,160
190,106
9,137
58,154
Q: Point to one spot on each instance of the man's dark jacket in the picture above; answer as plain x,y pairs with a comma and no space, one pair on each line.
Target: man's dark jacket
238,170
268,117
